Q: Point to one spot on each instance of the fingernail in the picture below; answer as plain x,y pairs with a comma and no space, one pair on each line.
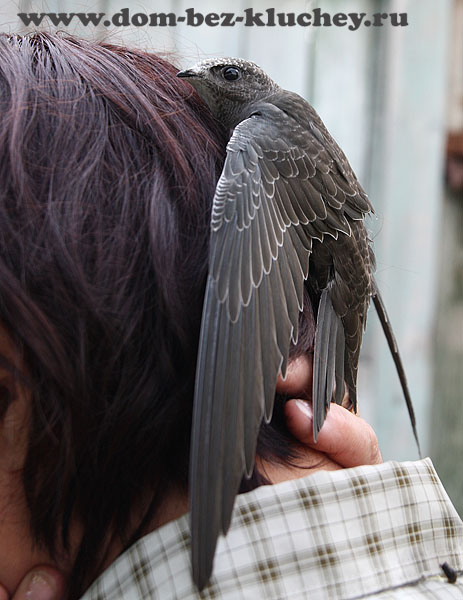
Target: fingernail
305,408
40,587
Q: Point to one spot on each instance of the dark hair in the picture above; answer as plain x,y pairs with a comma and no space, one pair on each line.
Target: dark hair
108,165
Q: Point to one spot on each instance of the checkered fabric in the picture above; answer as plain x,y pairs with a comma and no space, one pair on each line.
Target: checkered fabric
369,532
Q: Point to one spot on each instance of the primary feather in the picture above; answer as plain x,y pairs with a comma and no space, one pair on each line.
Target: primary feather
287,195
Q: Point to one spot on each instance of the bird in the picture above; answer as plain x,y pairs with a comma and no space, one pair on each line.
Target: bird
288,212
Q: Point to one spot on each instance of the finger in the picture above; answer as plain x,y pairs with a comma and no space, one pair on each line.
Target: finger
3,593
345,438
42,583
298,380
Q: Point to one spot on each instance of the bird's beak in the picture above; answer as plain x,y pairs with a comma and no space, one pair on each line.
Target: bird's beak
187,73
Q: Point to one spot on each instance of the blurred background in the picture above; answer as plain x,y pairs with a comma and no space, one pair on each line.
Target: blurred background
392,96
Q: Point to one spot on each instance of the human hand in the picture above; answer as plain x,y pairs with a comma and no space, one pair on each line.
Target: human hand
345,439
42,583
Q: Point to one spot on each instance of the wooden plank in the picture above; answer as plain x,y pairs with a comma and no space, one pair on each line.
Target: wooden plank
446,410
406,185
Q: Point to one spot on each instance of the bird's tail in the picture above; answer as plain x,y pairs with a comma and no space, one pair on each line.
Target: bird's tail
388,332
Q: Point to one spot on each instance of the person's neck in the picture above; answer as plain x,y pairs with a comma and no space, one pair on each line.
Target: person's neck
174,505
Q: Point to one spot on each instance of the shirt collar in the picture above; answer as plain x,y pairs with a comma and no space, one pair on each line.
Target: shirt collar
333,534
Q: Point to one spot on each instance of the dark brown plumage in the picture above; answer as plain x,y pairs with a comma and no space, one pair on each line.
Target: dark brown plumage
288,209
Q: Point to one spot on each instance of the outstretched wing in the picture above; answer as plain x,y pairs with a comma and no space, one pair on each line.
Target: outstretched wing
273,199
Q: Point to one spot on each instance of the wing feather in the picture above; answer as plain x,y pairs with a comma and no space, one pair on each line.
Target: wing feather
246,277
234,273
289,289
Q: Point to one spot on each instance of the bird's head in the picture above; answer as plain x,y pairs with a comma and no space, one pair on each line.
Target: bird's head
228,85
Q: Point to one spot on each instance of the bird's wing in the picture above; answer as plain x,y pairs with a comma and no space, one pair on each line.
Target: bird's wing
273,198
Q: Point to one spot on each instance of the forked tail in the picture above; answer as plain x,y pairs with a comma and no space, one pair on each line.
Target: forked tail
387,328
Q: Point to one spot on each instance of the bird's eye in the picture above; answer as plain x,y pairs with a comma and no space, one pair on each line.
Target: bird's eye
231,73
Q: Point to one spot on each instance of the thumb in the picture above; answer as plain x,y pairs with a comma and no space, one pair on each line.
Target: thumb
346,438
42,583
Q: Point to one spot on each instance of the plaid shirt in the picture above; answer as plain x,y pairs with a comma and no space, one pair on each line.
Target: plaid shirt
368,532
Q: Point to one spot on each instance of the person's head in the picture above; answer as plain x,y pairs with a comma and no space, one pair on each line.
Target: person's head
108,165
107,169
